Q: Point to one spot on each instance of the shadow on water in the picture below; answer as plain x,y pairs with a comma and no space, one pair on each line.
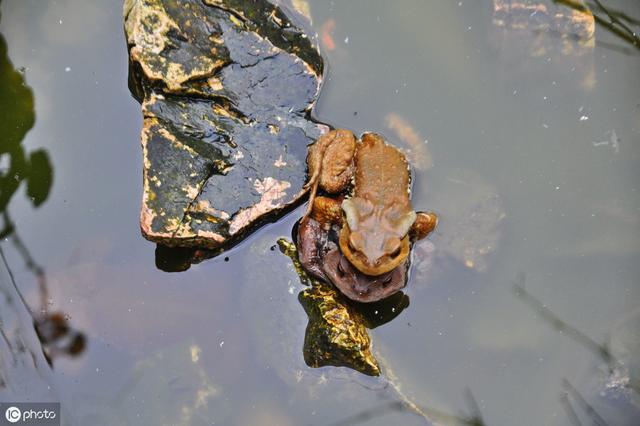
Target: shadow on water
34,169
472,419
601,350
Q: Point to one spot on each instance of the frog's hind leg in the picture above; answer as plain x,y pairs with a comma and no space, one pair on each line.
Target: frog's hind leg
315,156
314,164
312,197
330,163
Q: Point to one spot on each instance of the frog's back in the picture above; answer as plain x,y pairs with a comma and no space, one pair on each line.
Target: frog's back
382,172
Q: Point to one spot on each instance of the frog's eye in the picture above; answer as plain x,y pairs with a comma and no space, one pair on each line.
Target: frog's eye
402,224
355,242
393,247
355,209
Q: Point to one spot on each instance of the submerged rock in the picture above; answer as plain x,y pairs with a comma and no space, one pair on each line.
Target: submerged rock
226,89
278,325
472,213
525,31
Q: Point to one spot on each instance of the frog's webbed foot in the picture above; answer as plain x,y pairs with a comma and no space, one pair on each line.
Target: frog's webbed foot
425,223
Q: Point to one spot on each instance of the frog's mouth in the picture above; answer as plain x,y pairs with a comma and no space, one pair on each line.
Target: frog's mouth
358,286
380,266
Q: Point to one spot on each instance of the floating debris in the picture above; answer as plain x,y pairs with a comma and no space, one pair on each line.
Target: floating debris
416,152
325,34
613,142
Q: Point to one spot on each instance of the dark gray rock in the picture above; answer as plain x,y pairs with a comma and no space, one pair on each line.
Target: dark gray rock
226,89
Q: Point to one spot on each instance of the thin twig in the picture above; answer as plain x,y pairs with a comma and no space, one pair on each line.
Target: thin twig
615,20
619,14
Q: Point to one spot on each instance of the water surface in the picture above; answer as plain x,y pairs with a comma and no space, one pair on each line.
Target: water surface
550,139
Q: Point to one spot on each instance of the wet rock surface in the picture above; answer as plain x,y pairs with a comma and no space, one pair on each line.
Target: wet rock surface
336,333
226,89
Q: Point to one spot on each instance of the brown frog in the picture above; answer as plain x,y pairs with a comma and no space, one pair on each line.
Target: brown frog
360,243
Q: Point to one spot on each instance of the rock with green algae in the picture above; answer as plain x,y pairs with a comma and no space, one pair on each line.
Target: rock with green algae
226,89
279,329
336,334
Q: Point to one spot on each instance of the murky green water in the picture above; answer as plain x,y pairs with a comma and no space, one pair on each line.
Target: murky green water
534,153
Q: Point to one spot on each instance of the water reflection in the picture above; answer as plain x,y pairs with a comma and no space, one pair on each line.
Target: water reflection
542,30
620,377
571,391
180,259
464,107
34,169
616,22
383,311
472,419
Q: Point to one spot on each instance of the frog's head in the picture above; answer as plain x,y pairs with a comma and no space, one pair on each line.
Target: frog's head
358,286
374,238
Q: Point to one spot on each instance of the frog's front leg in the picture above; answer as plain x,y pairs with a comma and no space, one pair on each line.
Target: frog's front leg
330,163
425,223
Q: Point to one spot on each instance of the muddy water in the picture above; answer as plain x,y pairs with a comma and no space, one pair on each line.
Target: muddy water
523,307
